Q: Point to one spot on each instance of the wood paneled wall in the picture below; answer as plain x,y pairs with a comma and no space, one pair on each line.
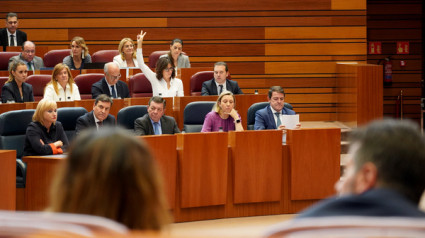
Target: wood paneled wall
292,43
390,21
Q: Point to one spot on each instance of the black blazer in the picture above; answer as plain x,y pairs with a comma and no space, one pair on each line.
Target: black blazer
210,87
143,125
10,91
36,132
101,87
87,121
4,41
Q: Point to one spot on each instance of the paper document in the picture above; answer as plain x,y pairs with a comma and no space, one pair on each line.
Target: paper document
290,121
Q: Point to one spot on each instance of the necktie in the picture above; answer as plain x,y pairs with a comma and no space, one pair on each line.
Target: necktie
278,122
99,124
12,40
220,89
156,128
29,66
114,93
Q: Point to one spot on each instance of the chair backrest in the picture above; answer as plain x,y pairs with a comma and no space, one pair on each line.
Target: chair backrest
68,117
104,56
197,79
84,83
127,115
3,80
194,115
140,86
38,82
55,57
13,127
254,108
153,58
4,59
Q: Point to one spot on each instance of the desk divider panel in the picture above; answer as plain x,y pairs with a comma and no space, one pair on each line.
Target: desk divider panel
8,180
315,162
164,150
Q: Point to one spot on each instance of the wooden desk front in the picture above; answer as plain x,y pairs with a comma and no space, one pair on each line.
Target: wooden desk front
8,180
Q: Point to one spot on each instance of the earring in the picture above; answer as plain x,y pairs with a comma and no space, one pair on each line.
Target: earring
82,54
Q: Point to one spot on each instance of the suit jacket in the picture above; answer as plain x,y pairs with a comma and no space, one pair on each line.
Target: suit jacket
101,87
143,125
264,118
87,121
182,61
210,87
375,202
37,61
4,41
10,91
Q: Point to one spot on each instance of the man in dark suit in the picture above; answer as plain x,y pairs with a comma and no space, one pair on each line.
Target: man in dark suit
98,117
220,83
155,122
10,35
28,57
111,84
384,176
270,117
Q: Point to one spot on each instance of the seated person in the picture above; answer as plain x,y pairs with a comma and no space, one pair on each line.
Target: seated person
111,84
179,59
111,174
15,89
270,117
62,86
11,35
223,116
127,56
28,57
155,122
98,117
384,176
45,135
220,83
164,83
79,54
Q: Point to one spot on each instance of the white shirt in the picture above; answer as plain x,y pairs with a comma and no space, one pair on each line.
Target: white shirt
218,87
123,63
159,87
64,95
14,38
275,117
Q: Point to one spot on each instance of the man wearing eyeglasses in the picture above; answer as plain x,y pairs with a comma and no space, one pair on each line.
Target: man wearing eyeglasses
111,84
10,35
28,57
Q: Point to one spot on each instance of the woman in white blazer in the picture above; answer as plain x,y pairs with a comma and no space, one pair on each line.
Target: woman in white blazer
62,86
127,56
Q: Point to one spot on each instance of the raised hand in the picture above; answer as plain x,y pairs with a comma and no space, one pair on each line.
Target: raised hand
140,39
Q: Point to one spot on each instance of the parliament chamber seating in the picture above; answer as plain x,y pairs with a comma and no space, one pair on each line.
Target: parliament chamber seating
154,56
84,83
128,115
254,108
3,80
140,86
104,56
196,81
38,82
194,115
54,57
4,59
68,117
13,127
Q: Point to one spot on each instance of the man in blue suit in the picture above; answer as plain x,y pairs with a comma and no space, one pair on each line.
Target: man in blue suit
385,175
270,117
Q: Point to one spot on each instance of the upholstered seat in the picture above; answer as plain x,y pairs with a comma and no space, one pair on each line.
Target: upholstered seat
68,117
3,80
194,115
104,56
196,81
54,57
84,83
38,82
4,59
128,115
140,86
154,56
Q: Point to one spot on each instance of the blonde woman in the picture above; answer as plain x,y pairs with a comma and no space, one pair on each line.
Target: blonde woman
79,54
127,56
223,116
45,135
62,86
112,174
16,89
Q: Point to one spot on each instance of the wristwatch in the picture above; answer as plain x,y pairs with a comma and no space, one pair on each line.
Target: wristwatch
238,121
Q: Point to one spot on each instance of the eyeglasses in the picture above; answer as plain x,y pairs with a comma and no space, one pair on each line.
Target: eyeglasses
115,77
169,69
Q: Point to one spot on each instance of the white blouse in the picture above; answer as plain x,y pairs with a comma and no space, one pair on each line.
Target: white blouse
159,87
123,63
64,95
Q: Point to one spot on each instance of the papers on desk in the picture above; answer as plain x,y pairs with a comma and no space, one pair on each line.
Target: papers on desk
290,121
